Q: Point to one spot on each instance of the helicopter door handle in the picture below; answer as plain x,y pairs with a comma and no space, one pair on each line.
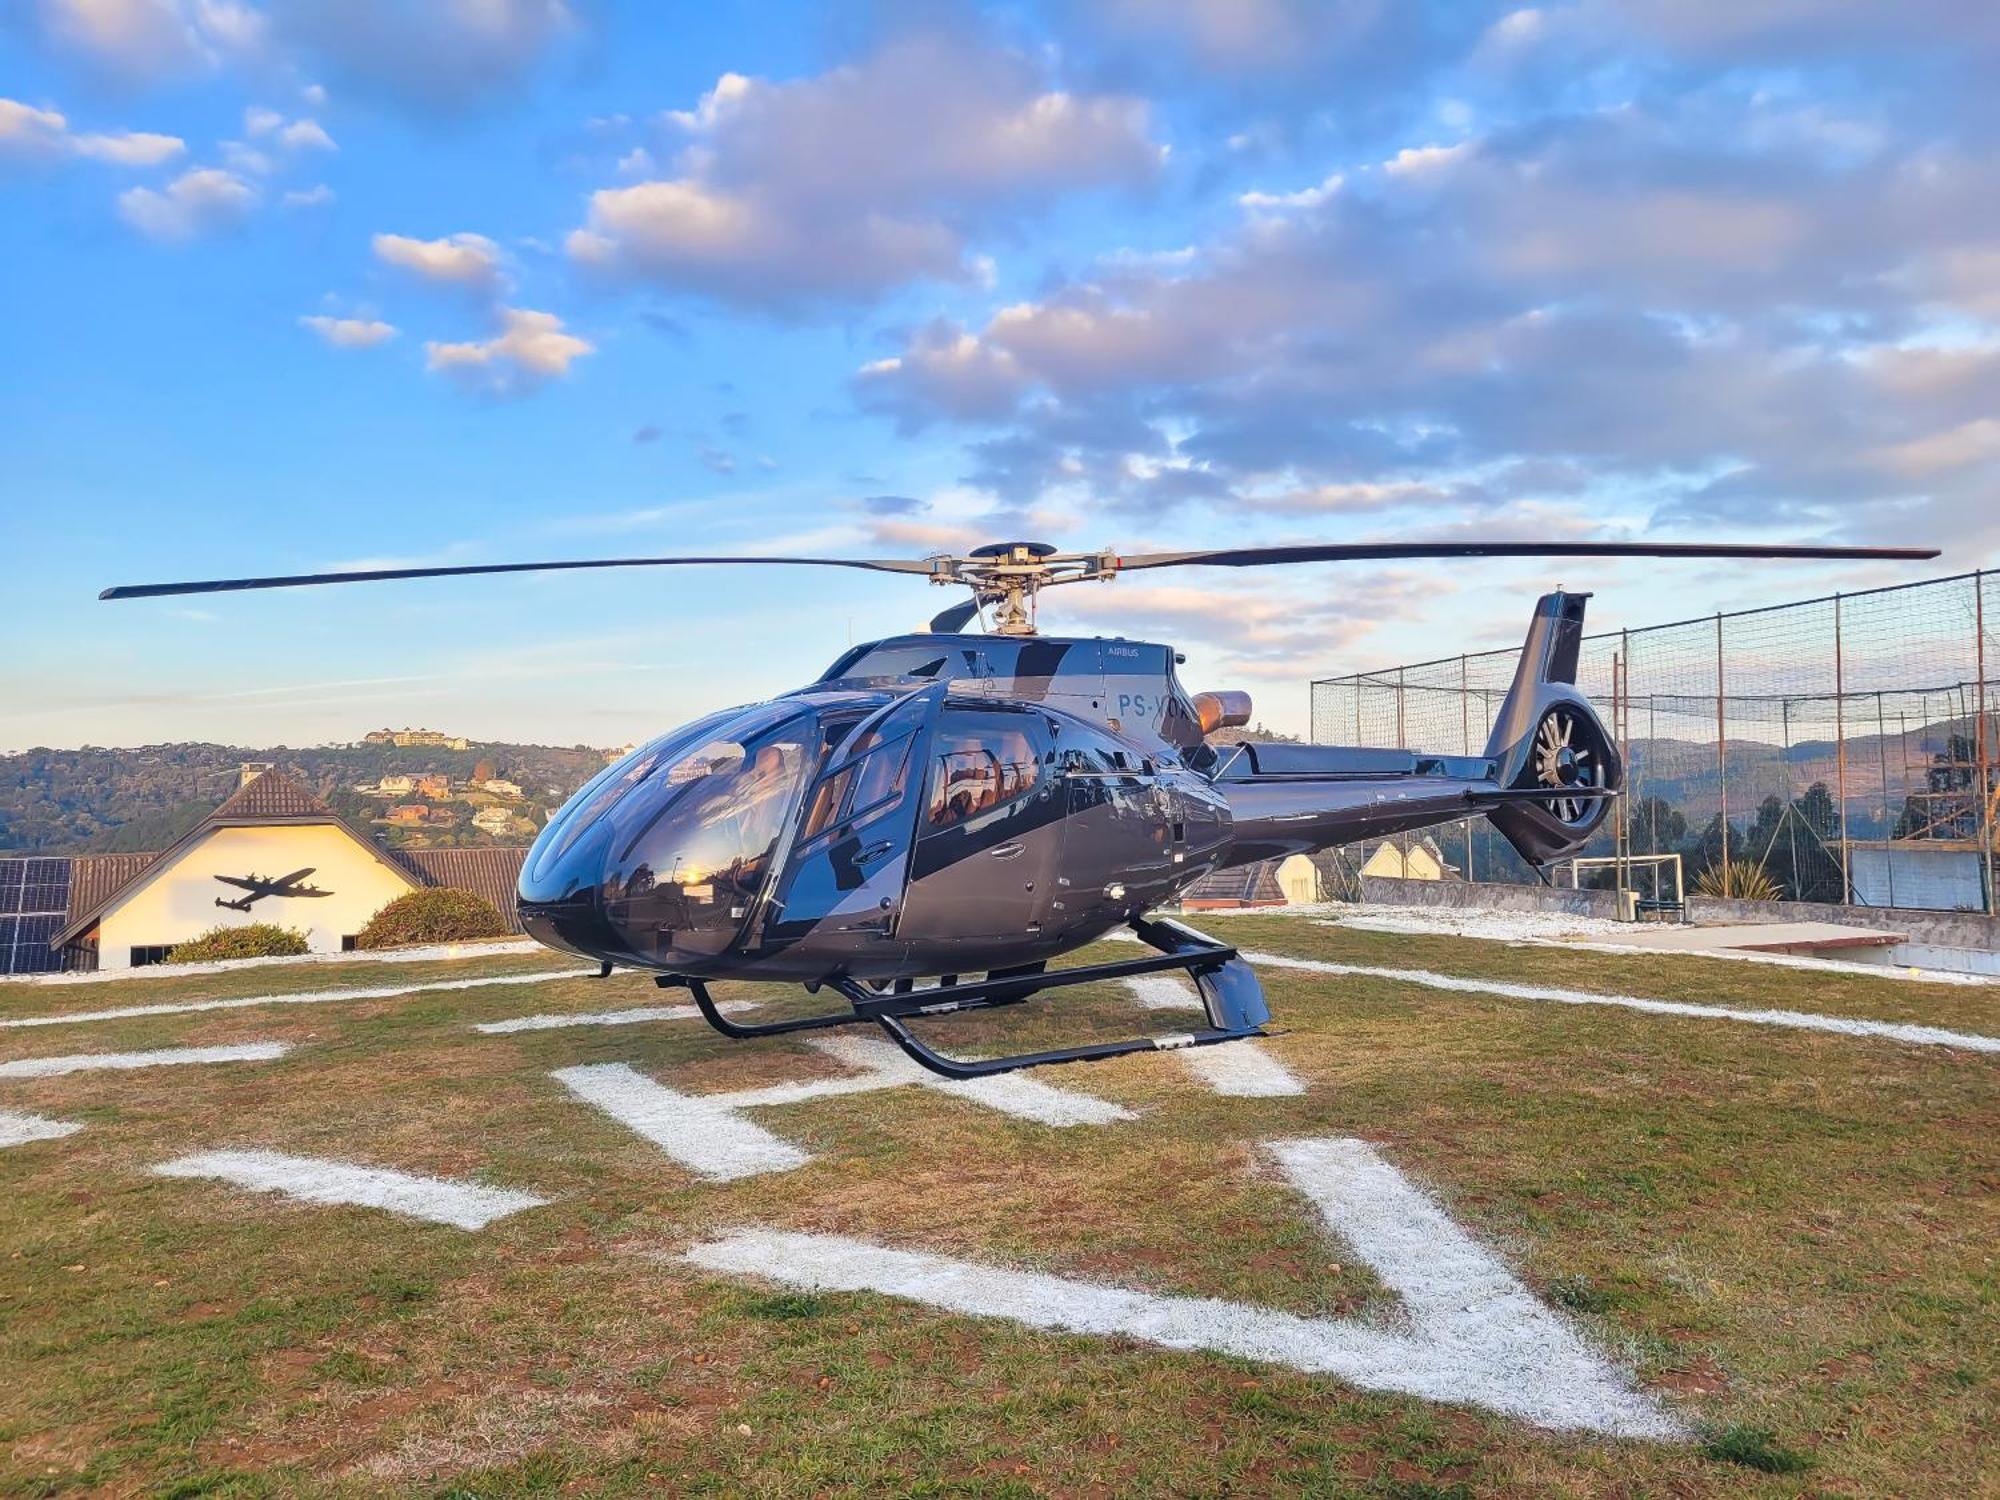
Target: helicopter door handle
874,852
1008,851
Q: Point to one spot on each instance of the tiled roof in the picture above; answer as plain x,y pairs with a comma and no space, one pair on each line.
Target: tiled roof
92,877
1246,885
270,794
490,873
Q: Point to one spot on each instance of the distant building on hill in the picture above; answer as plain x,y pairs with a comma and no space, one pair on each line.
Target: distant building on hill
395,786
431,738
613,756
499,787
408,813
435,786
493,820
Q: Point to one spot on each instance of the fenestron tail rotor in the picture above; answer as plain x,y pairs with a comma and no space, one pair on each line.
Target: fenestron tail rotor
1567,761
1009,575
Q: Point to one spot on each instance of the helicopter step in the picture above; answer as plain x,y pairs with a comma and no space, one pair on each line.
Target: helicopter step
1228,986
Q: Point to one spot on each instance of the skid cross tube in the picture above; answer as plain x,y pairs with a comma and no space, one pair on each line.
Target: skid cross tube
739,1032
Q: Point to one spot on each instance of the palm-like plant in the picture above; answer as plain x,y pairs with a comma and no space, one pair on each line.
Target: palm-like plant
1739,880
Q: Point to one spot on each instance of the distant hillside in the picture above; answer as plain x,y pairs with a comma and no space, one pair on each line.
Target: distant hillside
93,800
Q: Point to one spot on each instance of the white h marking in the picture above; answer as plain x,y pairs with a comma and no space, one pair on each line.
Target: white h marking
1475,1334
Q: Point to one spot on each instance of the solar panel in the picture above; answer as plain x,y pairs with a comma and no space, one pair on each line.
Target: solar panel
34,895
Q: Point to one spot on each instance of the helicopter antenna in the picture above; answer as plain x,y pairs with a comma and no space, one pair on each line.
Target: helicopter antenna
1010,575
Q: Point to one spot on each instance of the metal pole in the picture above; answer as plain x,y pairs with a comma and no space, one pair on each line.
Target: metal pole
1401,740
1721,755
1979,702
1840,752
1465,745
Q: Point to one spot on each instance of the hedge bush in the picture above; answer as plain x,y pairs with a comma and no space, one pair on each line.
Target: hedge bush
436,915
258,940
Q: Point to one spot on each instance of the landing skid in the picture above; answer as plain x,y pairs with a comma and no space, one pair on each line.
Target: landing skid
1229,992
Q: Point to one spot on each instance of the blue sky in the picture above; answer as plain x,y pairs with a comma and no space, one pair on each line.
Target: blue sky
297,284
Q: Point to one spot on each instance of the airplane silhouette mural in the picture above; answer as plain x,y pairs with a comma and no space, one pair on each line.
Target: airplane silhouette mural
256,888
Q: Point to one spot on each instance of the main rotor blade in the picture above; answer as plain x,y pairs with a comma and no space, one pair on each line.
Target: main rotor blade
1257,557
380,575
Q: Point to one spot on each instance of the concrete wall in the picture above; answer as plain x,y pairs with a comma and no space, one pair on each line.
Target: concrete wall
1944,929
1476,896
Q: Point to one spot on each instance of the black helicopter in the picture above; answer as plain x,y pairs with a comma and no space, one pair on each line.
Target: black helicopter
945,805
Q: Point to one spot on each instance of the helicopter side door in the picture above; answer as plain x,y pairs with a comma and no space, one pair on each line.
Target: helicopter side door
990,834
845,874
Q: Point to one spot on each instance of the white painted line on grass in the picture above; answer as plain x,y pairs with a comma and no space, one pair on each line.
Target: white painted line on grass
1162,992
1242,1070
426,953
304,997
84,1062
1011,1093
312,1179
1474,1333
708,1133
630,1017
18,1129
707,1138
1798,1020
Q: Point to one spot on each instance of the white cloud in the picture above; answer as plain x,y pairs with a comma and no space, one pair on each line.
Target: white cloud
465,260
312,197
350,333
197,202
530,349
292,135
785,193
129,148
149,40
437,55
1311,197
28,131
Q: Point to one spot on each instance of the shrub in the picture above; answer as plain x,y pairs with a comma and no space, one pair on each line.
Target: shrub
257,940
1739,879
436,915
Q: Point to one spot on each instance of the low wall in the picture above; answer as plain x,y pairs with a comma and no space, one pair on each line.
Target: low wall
1387,890
1943,929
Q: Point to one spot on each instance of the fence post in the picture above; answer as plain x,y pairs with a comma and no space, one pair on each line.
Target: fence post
1840,753
1465,746
1721,754
1979,701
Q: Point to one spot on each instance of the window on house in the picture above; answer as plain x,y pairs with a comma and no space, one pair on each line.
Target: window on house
149,954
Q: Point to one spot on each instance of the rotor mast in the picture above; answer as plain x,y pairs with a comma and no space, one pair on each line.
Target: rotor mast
1009,575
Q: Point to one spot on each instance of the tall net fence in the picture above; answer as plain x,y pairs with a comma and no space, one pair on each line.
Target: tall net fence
1838,745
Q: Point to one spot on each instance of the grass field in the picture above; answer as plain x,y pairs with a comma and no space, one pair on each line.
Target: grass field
1786,1237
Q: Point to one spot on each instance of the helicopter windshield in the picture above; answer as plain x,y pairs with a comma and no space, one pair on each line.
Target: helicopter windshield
693,853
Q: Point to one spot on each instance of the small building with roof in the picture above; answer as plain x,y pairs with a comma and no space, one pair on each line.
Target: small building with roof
272,852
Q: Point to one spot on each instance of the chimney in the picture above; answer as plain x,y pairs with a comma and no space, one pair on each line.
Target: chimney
249,771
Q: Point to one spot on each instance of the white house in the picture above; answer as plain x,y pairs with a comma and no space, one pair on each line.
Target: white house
272,852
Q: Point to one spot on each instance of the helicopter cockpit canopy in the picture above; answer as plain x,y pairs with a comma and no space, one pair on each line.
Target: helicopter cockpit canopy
669,849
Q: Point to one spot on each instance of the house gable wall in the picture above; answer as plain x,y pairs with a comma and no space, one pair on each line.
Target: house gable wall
176,899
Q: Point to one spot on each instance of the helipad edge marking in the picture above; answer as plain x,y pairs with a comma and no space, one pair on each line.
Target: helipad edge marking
82,1062
312,1179
1799,1020
303,997
18,1129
